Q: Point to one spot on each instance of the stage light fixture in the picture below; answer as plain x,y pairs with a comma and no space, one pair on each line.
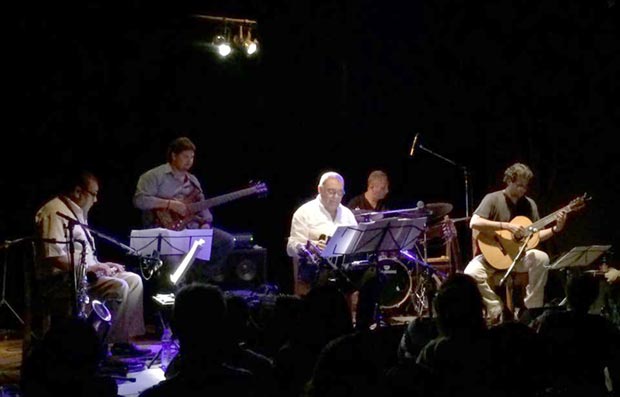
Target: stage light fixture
222,45
242,41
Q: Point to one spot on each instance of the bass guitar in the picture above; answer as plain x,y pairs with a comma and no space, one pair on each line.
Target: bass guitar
500,248
170,220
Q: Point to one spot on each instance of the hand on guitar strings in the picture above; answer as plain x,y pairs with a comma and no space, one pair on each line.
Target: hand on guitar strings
178,207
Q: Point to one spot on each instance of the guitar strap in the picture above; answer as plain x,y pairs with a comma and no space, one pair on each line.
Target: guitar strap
89,237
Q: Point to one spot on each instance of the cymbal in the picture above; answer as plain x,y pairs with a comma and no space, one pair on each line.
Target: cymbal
432,211
439,210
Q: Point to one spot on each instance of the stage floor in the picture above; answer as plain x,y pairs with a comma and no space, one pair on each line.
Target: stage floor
139,376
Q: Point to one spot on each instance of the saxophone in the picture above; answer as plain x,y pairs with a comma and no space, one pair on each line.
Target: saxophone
94,311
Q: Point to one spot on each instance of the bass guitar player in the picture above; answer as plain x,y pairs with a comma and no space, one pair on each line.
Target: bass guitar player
504,220
171,189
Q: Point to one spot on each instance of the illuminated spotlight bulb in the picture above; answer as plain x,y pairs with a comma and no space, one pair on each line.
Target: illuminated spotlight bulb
251,46
222,45
224,49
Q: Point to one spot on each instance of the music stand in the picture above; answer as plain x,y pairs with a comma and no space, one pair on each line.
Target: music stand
171,242
390,234
580,256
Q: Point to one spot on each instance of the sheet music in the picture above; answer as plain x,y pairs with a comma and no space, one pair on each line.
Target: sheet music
171,242
384,235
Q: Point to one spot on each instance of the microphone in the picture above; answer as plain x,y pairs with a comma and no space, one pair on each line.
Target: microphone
420,204
414,144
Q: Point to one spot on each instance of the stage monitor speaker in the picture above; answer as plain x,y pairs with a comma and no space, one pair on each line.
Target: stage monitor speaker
245,269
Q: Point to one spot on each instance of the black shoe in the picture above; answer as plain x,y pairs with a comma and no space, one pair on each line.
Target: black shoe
128,350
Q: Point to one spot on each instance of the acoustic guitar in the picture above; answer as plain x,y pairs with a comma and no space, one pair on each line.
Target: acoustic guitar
500,248
173,221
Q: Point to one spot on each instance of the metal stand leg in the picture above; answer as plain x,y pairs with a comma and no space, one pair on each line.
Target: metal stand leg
4,301
164,325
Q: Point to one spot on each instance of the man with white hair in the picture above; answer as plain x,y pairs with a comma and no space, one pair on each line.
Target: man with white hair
316,220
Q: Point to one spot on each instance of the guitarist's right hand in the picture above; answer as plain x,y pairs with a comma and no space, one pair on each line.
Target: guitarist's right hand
518,231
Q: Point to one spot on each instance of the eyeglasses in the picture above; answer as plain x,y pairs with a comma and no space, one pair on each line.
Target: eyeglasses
335,192
94,194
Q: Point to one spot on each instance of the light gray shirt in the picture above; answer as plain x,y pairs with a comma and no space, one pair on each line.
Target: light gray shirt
158,185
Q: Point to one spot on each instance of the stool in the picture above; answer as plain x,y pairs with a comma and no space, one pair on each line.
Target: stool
513,291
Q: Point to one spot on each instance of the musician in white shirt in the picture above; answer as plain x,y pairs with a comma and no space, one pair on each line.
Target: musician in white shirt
121,290
316,220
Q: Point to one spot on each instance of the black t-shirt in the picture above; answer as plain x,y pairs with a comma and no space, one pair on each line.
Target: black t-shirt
359,202
497,206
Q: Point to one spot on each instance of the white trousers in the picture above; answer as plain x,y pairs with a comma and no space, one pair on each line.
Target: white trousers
534,262
123,295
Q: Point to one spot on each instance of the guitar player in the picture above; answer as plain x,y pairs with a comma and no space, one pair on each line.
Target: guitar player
164,194
494,218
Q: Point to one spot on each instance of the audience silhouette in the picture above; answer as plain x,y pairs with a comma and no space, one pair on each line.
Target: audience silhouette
65,363
325,316
204,348
583,348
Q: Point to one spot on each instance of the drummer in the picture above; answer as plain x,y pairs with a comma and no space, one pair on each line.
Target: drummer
374,198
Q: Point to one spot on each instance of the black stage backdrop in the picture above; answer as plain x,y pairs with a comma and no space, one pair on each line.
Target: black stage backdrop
339,86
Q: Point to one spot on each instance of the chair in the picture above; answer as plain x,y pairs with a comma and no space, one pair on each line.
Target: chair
448,259
46,297
513,292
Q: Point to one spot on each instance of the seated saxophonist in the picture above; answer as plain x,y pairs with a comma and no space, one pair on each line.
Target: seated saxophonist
66,246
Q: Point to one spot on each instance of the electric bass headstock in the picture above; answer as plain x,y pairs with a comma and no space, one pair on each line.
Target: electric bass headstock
260,188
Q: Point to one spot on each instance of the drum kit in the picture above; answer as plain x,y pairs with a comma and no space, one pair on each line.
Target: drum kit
407,282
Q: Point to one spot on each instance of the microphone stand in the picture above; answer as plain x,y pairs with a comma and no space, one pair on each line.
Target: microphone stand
152,261
6,245
465,175
516,259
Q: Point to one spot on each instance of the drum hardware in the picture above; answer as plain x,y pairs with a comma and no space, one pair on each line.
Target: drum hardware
425,283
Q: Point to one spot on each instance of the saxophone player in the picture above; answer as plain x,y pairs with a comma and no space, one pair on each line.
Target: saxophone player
66,245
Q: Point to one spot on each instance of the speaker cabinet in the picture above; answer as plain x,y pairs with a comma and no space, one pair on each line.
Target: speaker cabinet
245,269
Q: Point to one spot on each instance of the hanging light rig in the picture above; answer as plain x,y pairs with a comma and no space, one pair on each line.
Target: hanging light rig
242,41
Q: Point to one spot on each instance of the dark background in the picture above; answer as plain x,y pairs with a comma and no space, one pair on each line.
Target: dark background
339,86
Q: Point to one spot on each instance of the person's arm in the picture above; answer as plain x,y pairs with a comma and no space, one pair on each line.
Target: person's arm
146,196
51,229
487,226
481,219
549,232
299,235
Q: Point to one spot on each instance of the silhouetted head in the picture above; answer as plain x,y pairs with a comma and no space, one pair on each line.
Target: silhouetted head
582,291
459,306
199,317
